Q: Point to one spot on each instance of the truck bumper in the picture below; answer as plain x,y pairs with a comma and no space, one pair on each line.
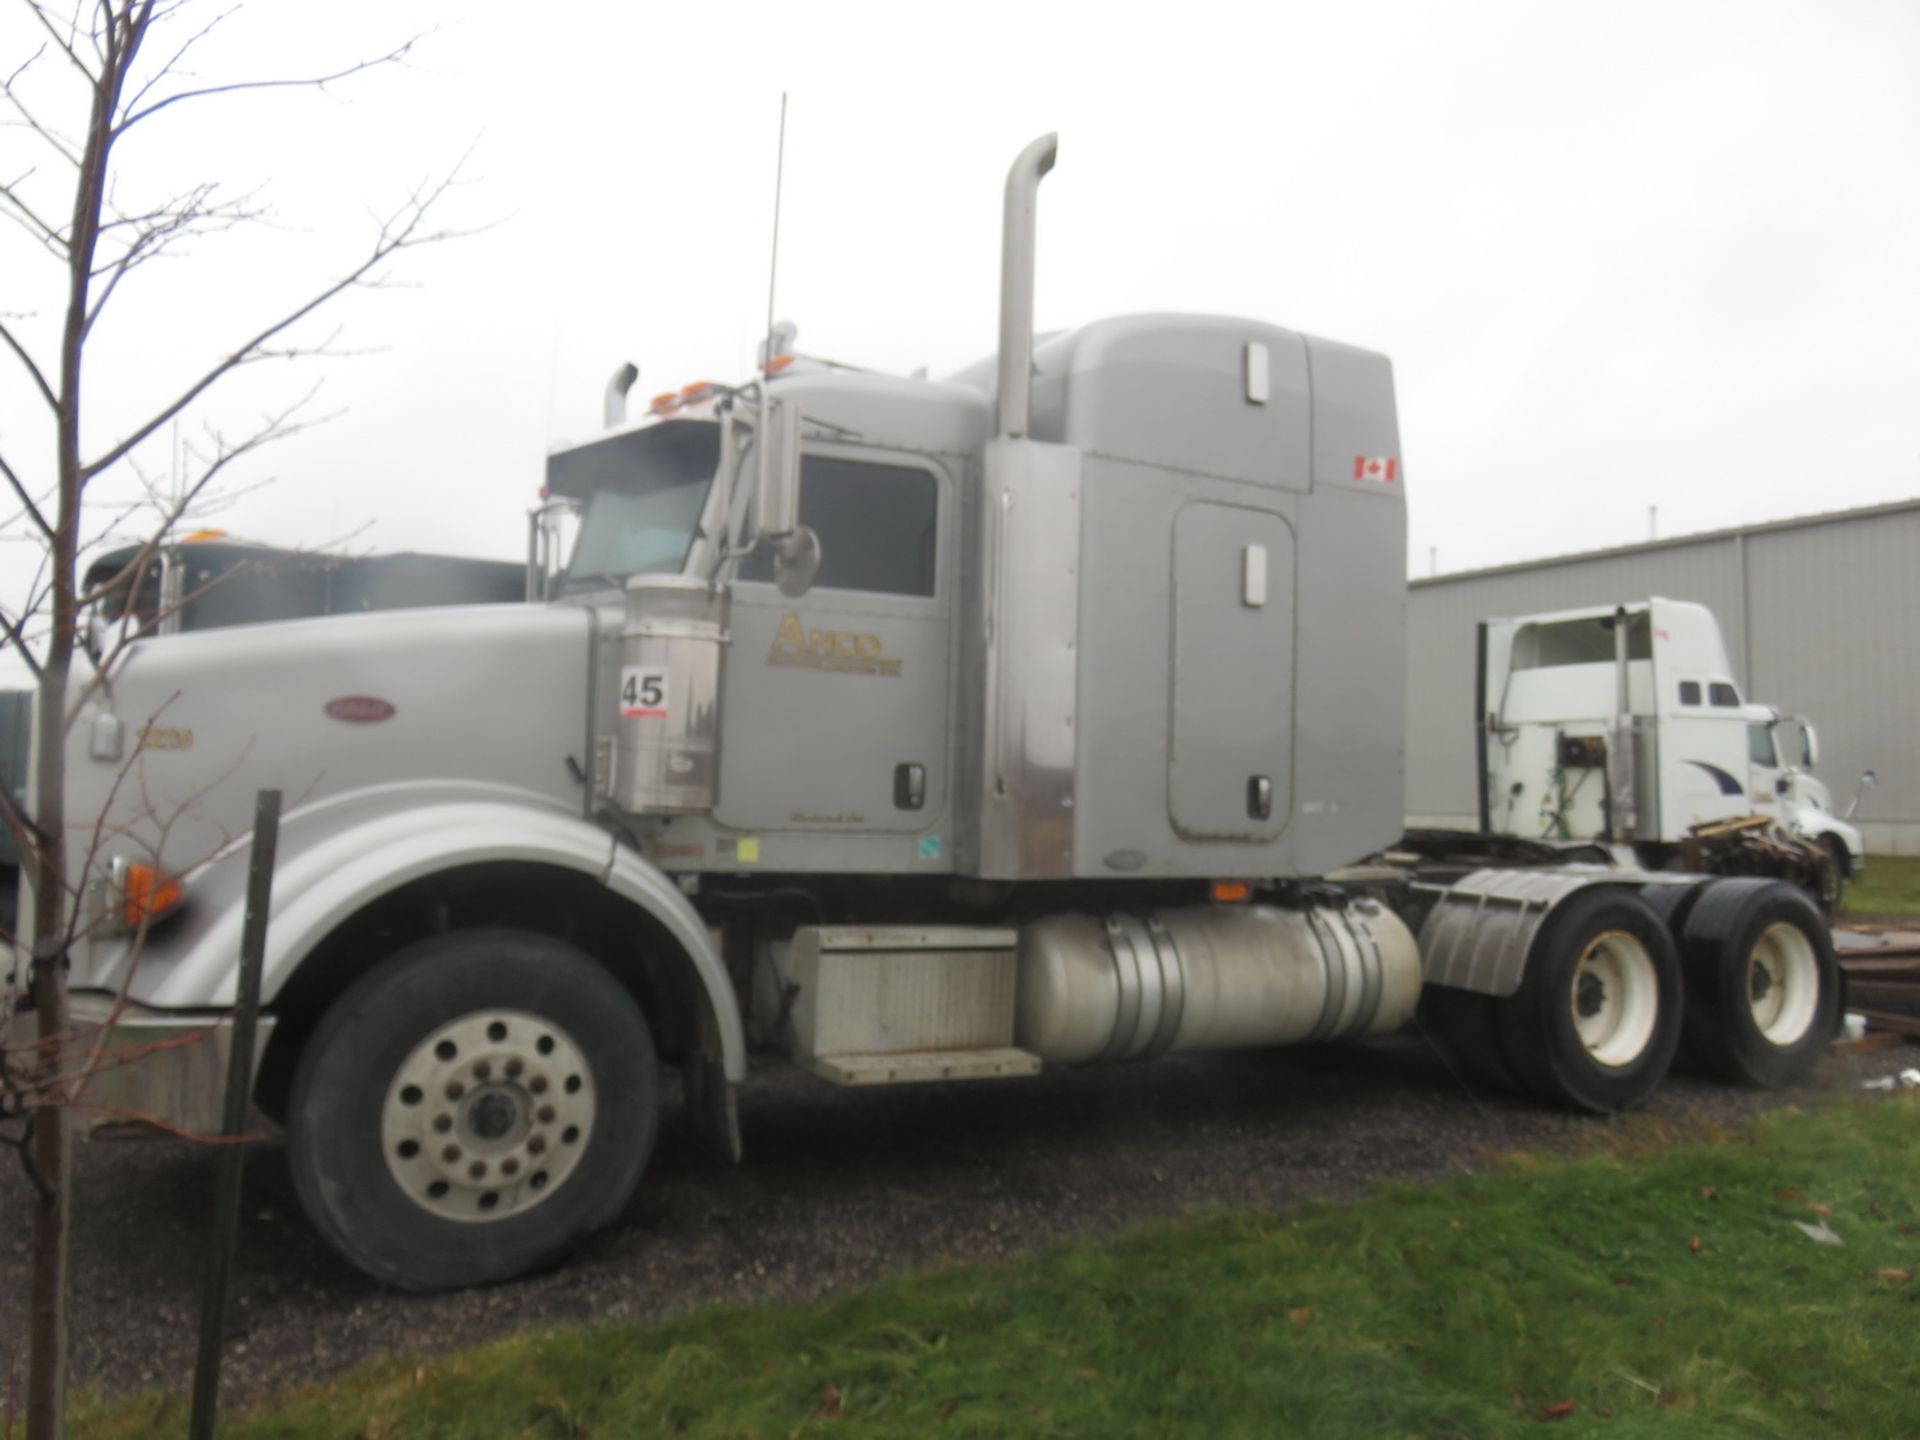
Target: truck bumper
146,1067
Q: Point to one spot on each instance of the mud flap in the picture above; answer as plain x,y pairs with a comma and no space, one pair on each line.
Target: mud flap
708,1101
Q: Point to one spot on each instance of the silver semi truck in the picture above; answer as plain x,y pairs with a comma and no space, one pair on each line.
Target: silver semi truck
903,730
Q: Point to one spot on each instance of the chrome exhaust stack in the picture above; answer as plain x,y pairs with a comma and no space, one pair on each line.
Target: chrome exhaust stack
1016,284
615,411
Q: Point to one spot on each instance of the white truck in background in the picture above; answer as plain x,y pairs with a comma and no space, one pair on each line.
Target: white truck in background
1623,724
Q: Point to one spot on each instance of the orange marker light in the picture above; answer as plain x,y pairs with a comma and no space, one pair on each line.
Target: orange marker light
663,402
696,392
146,893
778,363
1231,892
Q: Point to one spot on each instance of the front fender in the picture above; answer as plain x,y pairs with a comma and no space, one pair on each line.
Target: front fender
1813,824
340,855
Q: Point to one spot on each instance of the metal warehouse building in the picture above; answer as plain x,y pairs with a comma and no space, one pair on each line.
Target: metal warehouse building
1821,617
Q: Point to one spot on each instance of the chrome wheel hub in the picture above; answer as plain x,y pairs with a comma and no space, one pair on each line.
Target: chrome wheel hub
1783,984
488,1115
1615,999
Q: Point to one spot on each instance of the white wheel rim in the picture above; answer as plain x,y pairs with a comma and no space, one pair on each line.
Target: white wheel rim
1615,999
1783,983
488,1116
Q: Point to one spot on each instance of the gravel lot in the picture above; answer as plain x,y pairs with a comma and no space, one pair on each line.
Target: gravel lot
839,1187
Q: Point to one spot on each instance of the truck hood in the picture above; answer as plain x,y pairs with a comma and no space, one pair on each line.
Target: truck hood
172,751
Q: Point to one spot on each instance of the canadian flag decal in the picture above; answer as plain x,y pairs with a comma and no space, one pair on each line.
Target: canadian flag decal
1376,467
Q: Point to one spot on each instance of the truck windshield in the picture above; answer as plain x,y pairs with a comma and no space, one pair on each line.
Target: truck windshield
643,493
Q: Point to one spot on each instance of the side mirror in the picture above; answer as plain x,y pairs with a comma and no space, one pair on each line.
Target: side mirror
776,507
546,545
776,496
1809,745
1867,781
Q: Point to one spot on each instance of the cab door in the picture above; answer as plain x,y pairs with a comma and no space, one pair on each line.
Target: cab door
1766,776
835,705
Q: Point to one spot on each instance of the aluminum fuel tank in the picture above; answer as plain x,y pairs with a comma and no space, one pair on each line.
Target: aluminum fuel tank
1218,977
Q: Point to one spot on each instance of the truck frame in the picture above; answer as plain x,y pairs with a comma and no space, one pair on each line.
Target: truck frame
904,730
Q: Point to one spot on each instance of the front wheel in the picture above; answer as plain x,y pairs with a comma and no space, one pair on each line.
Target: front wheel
1596,1020
1834,865
471,1108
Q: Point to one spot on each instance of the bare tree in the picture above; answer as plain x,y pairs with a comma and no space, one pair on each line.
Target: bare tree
102,71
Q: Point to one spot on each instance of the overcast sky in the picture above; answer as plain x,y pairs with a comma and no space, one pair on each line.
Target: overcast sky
1621,255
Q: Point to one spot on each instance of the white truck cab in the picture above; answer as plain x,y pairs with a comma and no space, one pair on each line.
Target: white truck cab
1624,724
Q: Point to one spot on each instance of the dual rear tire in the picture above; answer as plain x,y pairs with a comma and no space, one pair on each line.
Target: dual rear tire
1732,977
1763,985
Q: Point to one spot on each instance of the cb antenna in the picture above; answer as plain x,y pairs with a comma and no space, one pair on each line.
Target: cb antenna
773,263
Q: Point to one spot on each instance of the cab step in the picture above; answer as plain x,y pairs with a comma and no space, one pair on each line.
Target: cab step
914,1067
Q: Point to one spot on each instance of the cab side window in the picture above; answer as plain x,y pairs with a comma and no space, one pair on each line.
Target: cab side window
878,526
1689,692
1723,694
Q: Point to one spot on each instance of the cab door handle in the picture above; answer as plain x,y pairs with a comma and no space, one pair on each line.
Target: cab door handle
909,786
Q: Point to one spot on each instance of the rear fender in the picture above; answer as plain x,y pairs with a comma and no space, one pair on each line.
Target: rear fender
1480,930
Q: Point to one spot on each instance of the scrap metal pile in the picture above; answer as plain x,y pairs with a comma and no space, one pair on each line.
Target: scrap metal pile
1758,845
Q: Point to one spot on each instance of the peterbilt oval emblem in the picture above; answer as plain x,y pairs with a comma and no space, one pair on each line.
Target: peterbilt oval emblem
360,709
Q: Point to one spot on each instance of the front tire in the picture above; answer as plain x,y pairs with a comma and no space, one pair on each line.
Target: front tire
471,1108
1763,984
1833,874
1596,1020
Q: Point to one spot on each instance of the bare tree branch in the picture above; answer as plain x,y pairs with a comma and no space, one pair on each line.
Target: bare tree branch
179,54
39,379
68,42
27,218
26,500
312,82
187,215
18,640
59,143
401,231
21,69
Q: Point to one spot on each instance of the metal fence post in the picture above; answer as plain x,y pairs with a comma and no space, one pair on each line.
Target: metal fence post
226,1215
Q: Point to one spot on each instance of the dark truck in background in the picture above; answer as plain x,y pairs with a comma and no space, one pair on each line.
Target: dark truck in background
209,581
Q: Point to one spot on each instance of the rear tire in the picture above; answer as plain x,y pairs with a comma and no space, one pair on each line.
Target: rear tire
471,1108
1596,1020
1763,985
1674,903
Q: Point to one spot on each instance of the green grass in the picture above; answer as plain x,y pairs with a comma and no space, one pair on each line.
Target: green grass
1890,888
1655,1289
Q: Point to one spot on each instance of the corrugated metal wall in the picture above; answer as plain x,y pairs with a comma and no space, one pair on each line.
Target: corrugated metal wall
1821,617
